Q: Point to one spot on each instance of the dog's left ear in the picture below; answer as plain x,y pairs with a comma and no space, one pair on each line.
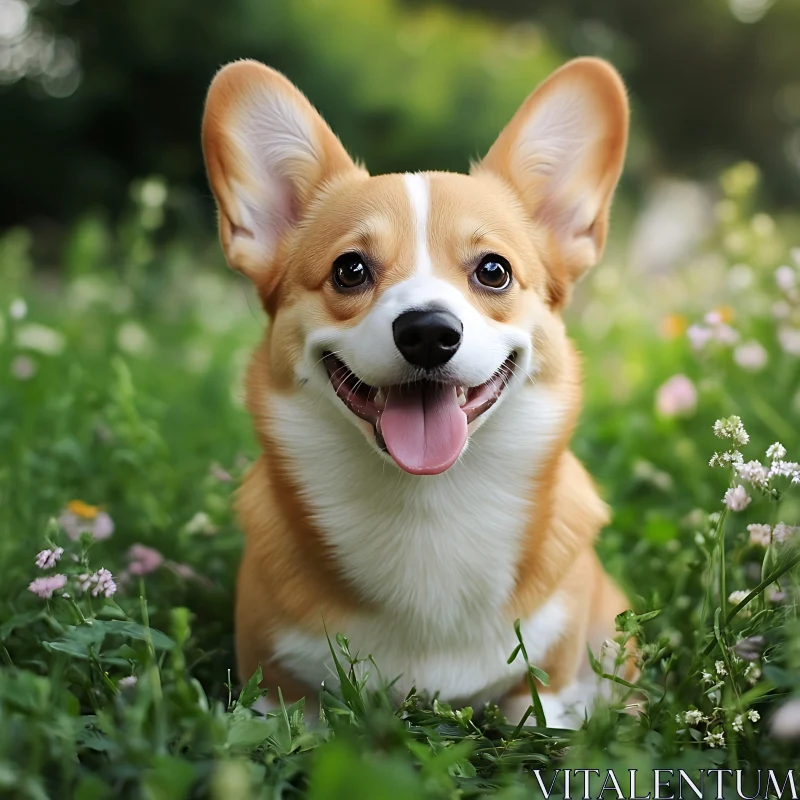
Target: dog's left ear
563,152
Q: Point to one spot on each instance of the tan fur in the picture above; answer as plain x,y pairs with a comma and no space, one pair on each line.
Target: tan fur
287,574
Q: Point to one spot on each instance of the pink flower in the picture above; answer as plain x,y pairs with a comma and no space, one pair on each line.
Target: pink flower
699,336
737,499
143,560
99,583
750,356
677,396
785,278
23,368
44,587
79,517
47,559
221,474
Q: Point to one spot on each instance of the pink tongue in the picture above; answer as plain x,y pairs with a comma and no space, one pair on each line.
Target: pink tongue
424,427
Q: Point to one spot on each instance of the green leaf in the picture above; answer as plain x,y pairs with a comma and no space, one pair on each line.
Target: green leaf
133,630
251,691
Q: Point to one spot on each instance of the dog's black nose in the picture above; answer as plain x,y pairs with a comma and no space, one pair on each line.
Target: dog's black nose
427,339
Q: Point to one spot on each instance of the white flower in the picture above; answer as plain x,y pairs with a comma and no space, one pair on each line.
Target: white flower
753,672
693,717
707,677
200,523
734,598
715,740
781,309
789,340
18,309
737,724
133,339
760,534
737,499
127,682
32,336
783,532
724,334
732,428
729,458
719,666
785,278
785,722
750,356
754,472
753,715
775,452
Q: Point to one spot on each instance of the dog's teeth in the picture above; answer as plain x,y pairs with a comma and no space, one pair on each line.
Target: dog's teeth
461,397
380,398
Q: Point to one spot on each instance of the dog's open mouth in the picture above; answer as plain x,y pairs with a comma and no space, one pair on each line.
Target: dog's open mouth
423,424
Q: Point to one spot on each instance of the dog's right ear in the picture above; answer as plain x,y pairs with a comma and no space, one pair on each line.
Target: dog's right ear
268,153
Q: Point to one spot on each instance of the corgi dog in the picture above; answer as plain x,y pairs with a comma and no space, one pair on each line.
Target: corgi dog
415,394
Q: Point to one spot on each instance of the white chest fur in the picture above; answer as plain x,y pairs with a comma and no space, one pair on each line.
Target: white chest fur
435,556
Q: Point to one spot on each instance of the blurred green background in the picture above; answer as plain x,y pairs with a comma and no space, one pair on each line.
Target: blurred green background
94,94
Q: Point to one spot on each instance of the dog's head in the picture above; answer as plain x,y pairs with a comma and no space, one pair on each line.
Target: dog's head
415,302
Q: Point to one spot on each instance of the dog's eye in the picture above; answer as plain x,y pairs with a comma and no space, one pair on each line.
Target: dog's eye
350,271
494,272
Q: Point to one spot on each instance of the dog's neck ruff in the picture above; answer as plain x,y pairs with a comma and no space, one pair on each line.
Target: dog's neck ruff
436,551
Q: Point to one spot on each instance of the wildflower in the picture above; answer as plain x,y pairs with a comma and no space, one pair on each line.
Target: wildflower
737,499
785,469
753,672
732,428
785,278
783,532
47,559
724,334
789,340
200,523
44,587
707,677
754,472
99,583
750,356
785,723
719,666
127,682
143,560
734,598
32,336
781,309
693,717
699,336
79,517
774,595
715,739
760,534
18,309
672,326
728,458
737,724
220,473
133,339
753,715
676,397
775,452
23,368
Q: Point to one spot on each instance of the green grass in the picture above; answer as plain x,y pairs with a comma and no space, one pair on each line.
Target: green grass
128,400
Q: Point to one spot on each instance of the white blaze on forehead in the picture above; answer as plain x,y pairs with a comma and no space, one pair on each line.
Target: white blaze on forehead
417,188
